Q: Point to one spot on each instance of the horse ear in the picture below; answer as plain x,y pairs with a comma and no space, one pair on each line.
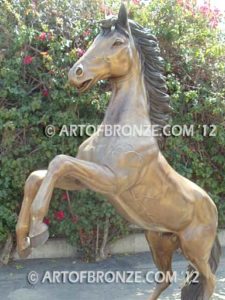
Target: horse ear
122,16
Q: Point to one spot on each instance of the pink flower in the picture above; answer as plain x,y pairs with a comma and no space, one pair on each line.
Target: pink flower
136,2
75,219
180,2
46,221
205,9
27,60
65,196
50,36
188,6
42,36
106,10
102,8
217,12
87,33
45,92
80,52
59,215
213,23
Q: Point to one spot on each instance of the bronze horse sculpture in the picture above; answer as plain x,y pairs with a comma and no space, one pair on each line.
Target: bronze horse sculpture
130,171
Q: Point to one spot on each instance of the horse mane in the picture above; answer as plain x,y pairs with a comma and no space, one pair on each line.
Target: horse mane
152,67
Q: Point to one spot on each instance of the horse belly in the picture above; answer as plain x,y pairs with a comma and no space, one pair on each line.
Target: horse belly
135,216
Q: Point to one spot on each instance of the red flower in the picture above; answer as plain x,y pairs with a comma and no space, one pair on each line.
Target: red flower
65,196
59,215
46,221
45,93
80,52
75,219
27,60
42,36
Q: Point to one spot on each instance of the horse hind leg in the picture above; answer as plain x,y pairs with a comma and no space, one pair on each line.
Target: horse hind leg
204,287
162,246
203,251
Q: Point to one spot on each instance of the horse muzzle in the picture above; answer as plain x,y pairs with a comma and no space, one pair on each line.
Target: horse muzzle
78,79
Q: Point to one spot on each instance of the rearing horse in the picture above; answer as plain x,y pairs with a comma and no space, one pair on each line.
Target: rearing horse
130,170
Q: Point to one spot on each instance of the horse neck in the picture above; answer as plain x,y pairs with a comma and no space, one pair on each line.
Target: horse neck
128,103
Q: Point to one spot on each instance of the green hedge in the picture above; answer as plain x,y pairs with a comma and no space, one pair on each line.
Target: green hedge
38,44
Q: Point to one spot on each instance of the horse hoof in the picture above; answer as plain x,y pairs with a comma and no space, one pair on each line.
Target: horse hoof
39,234
39,239
25,251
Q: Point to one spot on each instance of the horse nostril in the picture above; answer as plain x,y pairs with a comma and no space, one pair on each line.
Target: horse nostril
79,71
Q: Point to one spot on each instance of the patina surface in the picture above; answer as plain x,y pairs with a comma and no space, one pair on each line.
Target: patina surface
130,170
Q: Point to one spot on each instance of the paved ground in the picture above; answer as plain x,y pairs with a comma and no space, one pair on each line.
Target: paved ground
14,283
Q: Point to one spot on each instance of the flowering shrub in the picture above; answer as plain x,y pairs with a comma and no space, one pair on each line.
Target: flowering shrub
39,41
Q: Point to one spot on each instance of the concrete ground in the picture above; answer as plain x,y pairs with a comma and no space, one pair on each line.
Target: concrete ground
14,279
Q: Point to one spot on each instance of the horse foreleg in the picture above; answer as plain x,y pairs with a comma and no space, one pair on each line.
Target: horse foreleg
93,176
31,187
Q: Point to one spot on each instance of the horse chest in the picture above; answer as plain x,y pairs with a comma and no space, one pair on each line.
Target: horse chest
112,152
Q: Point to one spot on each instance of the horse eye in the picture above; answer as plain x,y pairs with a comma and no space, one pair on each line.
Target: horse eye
118,43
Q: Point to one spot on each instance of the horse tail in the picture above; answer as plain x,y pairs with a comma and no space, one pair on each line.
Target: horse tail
192,290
